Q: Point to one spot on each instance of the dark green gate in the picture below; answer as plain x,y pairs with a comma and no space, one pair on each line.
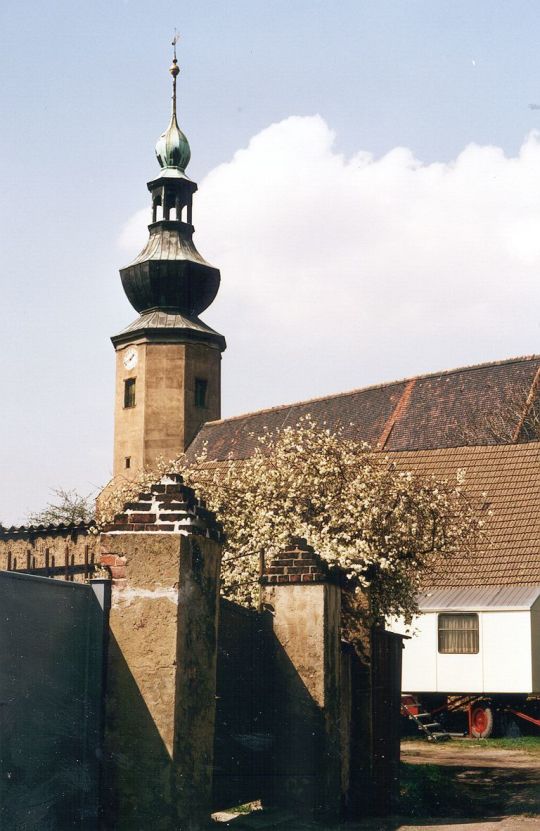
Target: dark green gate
244,734
52,636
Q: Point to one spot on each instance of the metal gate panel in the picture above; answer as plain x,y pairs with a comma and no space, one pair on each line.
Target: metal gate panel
244,737
386,656
51,693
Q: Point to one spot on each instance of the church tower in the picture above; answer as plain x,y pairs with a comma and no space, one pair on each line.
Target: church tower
168,360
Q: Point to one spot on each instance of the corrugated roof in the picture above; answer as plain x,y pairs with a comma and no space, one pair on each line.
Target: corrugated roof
480,599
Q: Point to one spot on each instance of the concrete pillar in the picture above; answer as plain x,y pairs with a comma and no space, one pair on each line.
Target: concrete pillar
306,607
164,557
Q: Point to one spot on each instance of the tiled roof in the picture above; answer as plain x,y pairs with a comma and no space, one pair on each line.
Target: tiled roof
436,424
503,481
509,475
440,410
52,529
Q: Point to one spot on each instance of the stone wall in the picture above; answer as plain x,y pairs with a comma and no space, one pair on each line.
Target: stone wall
165,417
55,551
316,731
338,722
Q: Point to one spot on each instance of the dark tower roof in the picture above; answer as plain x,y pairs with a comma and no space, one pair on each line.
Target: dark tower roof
169,273
169,283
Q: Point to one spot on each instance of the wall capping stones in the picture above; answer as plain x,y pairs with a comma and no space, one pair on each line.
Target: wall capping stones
39,531
298,564
169,506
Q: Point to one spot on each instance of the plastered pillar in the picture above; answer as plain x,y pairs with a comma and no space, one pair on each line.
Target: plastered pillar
305,604
164,558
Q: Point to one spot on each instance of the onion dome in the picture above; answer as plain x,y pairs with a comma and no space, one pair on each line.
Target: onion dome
169,276
172,148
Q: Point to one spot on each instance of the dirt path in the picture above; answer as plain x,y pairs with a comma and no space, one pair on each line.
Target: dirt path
456,753
489,787
450,787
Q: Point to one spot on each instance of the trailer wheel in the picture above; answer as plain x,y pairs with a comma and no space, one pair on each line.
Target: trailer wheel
482,722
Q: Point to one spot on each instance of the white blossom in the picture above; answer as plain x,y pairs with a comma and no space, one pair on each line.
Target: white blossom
384,528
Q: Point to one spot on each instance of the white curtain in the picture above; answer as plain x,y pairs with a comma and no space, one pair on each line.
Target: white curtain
458,634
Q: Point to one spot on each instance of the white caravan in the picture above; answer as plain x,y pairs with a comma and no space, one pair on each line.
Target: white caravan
479,649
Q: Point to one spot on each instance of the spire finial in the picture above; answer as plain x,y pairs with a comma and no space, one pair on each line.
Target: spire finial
172,148
174,70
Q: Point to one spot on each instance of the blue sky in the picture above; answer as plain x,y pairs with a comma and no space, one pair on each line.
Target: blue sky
85,94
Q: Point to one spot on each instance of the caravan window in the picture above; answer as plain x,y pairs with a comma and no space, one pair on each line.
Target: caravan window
458,634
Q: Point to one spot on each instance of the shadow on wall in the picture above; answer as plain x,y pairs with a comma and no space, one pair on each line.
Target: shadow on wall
140,768
270,741
269,736
244,735
302,755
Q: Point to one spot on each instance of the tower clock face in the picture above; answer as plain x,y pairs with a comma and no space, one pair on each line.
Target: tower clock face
130,358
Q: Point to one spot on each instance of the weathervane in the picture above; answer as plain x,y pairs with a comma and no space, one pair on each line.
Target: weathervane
174,70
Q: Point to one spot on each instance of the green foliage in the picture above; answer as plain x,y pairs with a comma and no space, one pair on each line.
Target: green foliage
429,790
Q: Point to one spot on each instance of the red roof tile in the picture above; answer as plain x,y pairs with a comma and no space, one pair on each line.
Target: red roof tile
509,475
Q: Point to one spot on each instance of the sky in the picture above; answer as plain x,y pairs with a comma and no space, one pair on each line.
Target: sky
369,186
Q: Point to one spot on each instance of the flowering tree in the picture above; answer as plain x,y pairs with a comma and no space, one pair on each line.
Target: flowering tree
381,526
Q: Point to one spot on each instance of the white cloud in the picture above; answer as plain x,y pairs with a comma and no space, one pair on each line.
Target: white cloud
338,272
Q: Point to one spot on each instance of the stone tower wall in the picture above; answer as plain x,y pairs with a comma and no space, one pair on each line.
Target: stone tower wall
165,417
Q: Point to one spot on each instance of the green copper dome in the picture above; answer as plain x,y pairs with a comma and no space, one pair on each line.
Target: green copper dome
172,148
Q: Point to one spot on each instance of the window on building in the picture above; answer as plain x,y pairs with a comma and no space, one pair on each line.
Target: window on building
459,634
201,388
128,462
129,392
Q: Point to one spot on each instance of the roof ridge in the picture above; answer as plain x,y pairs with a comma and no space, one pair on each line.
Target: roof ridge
506,447
444,372
449,449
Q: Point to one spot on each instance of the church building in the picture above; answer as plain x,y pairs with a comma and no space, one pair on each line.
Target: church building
479,425
208,704
483,421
